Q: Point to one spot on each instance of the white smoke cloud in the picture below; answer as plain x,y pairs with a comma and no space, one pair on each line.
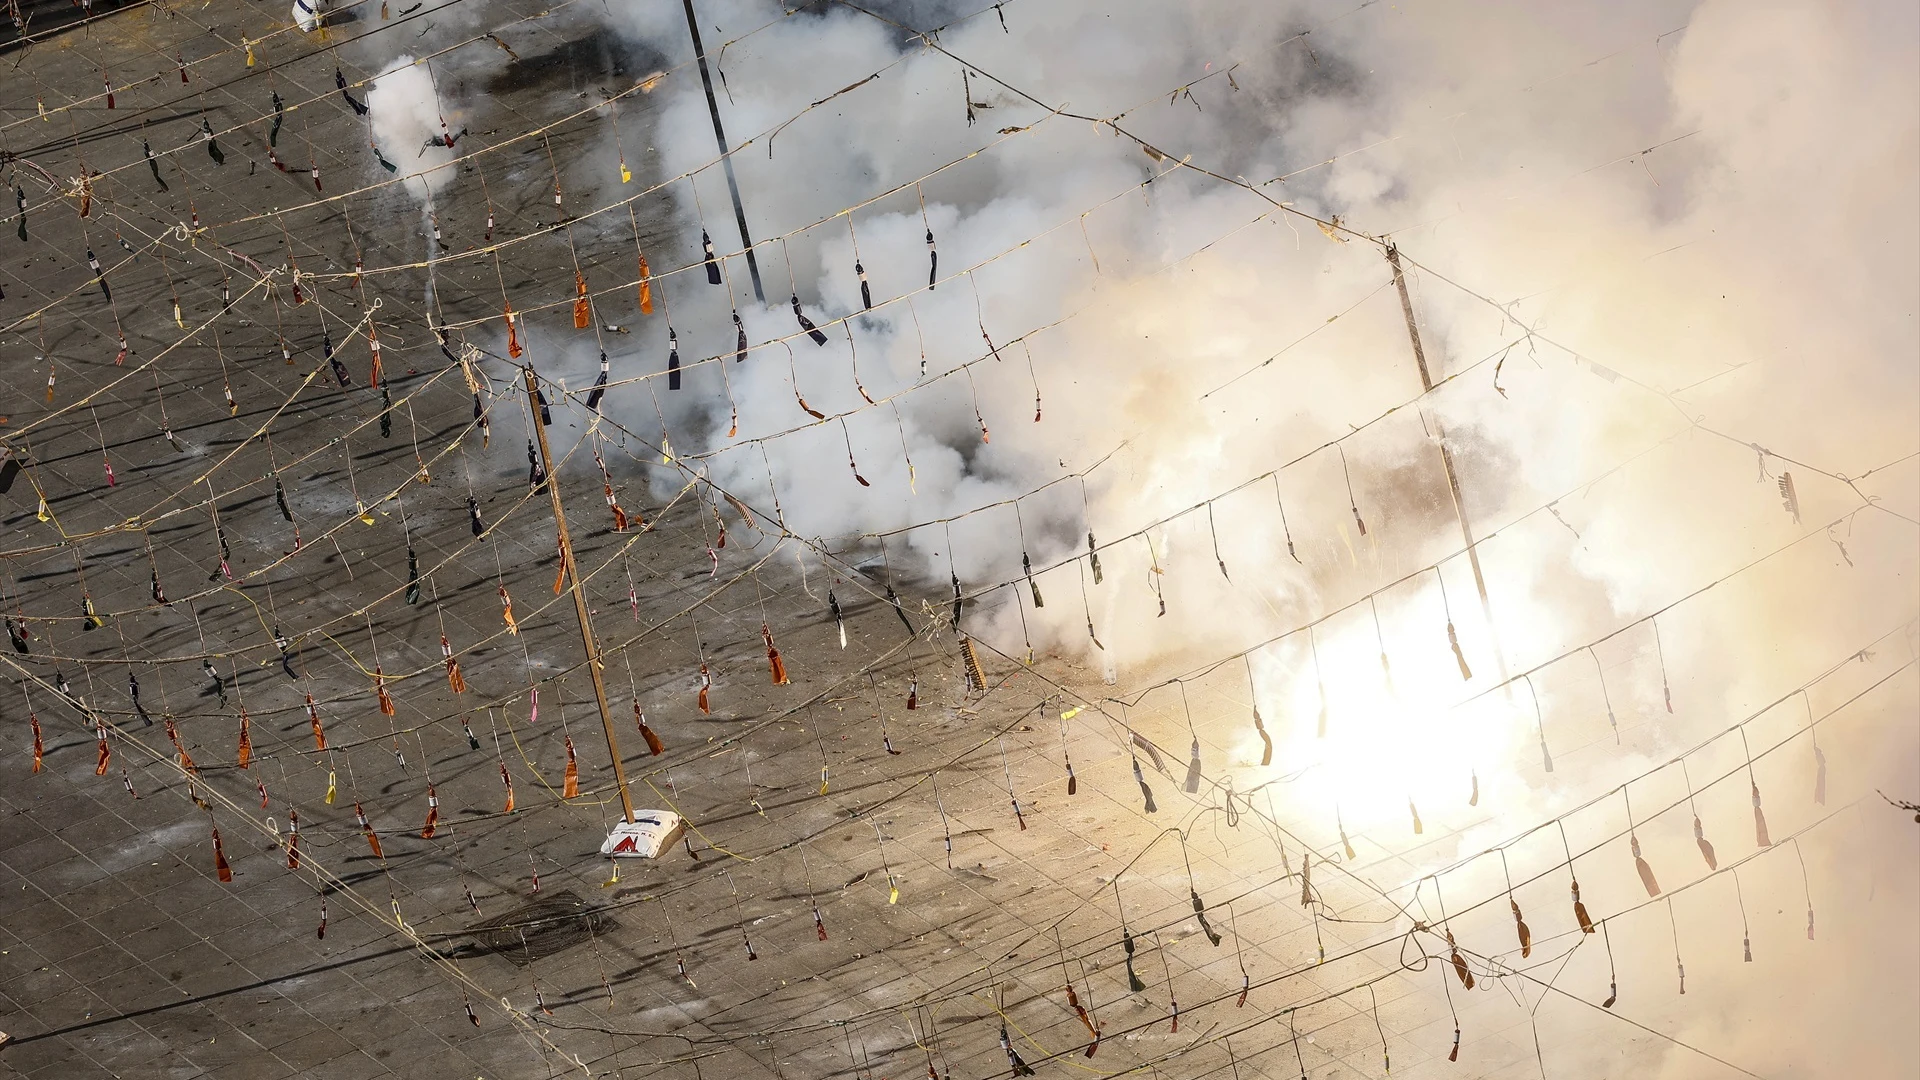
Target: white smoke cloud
1748,280
1762,260
410,126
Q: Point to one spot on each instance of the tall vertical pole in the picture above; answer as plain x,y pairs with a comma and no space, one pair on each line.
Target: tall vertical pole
1446,454
726,155
572,570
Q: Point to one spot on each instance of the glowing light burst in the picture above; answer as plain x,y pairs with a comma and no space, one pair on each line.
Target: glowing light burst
1391,737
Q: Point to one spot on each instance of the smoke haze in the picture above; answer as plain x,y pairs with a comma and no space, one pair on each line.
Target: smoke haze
1664,250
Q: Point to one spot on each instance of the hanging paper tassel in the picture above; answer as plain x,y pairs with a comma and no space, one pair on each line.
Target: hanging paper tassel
1134,982
1453,640
17,632
1193,769
570,787
1460,968
473,741
39,747
913,694
1706,847
1640,864
1020,1067
1306,879
507,779
293,839
99,276
1026,567
153,162
806,324
533,697
1011,797
326,348
221,869
321,931
582,309
1819,776
1418,828
455,681
243,756
333,786
106,753
1200,913
340,81
513,338
213,148
1580,911
413,576
933,259
654,745
866,295
673,360
1520,927
713,265
1086,1020
1266,740
646,287
740,339
90,619
536,472
373,840
187,761
473,518
1146,792
833,608
1759,821
775,665
599,385
380,690
706,683
319,734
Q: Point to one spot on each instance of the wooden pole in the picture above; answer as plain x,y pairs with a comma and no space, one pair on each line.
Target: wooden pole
726,155
1446,454
579,597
